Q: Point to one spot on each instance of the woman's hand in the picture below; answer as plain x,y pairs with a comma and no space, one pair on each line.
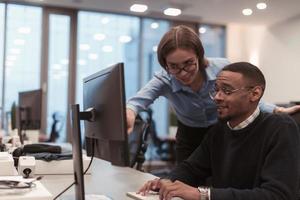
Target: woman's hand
130,117
289,110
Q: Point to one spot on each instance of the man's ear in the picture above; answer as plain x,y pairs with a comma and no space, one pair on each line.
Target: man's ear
256,93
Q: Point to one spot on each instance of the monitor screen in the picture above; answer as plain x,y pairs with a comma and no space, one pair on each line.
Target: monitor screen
104,91
30,109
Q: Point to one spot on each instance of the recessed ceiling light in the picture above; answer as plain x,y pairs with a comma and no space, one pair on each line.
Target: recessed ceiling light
202,30
138,8
172,11
247,11
154,25
261,6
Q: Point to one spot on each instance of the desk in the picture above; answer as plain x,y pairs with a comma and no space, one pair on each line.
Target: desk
105,179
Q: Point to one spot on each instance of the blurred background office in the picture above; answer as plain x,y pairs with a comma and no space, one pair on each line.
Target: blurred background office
53,45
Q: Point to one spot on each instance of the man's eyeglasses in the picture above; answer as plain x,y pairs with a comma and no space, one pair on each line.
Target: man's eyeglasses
176,69
225,91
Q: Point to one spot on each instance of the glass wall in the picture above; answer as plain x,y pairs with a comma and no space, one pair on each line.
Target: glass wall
152,31
105,39
23,51
2,7
58,70
213,38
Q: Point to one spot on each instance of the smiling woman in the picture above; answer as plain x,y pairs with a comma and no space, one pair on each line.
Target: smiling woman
185,81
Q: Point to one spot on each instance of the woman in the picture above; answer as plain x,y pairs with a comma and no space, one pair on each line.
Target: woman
185,80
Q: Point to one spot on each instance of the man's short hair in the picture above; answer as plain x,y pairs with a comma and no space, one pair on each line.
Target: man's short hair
251,73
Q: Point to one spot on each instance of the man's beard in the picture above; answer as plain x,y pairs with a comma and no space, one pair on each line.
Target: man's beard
224,119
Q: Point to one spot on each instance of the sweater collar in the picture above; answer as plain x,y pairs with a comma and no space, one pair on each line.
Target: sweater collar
246,122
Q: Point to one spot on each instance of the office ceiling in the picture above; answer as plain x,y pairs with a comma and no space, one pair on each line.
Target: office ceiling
209,11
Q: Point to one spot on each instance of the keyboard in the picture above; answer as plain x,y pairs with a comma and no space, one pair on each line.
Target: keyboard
149,196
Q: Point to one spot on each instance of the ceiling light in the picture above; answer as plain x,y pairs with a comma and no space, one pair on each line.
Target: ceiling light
154,25
24,30
261,6
99,36
138,8
125,39
107,48
93,56
84,47
247,11
202,30
172,11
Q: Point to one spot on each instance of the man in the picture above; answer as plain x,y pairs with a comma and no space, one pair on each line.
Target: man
248,154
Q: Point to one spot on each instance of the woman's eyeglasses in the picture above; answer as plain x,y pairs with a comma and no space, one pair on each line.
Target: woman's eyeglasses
176,69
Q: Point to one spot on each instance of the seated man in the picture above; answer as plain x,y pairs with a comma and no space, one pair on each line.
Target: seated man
248,154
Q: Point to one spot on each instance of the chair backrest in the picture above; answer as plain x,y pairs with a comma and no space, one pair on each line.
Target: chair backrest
137,139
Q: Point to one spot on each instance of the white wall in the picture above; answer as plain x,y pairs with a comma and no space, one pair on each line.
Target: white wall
275,50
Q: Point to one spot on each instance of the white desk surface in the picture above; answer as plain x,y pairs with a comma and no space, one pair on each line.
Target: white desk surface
105,179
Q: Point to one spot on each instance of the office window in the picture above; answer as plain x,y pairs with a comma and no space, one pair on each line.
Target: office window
152,31
23,51
105,39
213,38
58,70
2,7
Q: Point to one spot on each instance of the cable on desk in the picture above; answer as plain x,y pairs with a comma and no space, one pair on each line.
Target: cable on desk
74,182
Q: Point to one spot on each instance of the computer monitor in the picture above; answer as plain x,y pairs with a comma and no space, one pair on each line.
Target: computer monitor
104,118
29,111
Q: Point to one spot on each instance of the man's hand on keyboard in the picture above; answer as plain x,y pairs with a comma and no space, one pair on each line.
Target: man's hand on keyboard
168,189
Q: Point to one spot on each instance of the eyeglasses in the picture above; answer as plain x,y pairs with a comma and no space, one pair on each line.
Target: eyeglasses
226,91
176,69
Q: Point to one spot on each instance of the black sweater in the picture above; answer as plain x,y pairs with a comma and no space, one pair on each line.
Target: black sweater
259,162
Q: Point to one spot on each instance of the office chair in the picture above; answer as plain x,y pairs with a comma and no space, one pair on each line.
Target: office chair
137,143
55,130
165,146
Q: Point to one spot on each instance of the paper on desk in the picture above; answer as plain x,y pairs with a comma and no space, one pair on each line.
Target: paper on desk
37,193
